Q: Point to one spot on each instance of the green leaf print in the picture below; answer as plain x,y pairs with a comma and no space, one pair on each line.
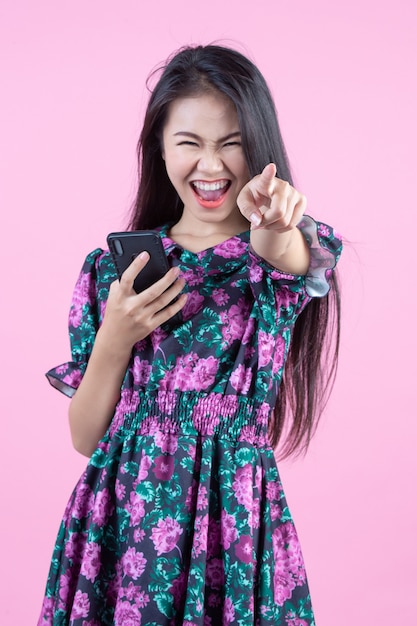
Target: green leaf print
146,490
132,468
243,456
168,493
184,335
210,328
99,458
164,603
163,573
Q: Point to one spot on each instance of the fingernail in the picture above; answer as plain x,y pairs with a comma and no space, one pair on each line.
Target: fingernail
143,255
255,219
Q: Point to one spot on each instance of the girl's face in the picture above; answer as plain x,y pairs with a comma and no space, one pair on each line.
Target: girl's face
204,160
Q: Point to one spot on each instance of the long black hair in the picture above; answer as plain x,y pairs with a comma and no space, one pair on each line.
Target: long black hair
312,359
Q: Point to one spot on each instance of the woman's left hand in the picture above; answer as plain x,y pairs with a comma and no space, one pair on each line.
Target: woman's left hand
271,203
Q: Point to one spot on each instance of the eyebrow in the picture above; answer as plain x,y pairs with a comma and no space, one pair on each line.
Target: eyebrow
184,133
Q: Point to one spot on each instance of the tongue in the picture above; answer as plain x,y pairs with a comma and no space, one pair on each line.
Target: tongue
210,195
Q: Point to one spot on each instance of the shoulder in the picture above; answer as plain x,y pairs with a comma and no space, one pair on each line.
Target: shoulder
98,265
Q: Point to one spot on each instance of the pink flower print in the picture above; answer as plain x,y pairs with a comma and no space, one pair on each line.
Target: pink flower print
61,369
202,500
145,464
248,435
120,490
133,563
232,248
228,612
276,512
323,230
259,476
133,593
141,372
215,573
128,403
243,549
141,598
193,277
83,295
234,321
283,588
157,337
103,507
191,495
83,502
279,355
273,491
204,420
138,535
74,548
127,614
241,378
91,564
293,620
47,610
199,492
204,373
220,296
193,305
178,588
214,599
289,565
67,584
168,442
73,379
165,535
255,273
164,467
136,508
166,400
200,535
248,335
243,486
285,297
81,605
213,540
228,530
266,347
256,514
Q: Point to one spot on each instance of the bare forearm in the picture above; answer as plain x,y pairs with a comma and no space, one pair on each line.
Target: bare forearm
287,251
93,404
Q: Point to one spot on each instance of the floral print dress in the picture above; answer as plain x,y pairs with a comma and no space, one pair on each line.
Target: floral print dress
180,516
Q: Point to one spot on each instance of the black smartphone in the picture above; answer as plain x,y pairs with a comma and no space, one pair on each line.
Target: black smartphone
126,246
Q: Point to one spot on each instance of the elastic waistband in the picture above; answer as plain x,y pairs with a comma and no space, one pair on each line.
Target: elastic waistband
190,413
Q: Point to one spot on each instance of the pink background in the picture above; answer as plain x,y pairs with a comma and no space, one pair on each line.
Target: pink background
72,96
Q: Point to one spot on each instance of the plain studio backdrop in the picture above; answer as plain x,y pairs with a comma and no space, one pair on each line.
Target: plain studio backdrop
72,99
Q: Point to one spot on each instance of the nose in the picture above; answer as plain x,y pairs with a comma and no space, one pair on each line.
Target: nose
210,162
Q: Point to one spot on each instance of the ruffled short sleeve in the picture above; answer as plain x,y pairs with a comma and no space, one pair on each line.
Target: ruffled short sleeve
84,320
292,292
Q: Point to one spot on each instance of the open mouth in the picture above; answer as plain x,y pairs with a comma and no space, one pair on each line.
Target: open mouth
210,192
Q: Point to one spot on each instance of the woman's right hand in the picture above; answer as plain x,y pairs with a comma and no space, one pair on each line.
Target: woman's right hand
131,316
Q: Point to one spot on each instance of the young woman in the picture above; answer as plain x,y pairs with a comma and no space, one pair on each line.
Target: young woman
180,516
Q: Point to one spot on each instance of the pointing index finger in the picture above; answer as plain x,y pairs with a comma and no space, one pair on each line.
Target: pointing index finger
266,178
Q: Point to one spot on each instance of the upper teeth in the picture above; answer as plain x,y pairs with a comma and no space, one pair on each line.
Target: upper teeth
210,186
